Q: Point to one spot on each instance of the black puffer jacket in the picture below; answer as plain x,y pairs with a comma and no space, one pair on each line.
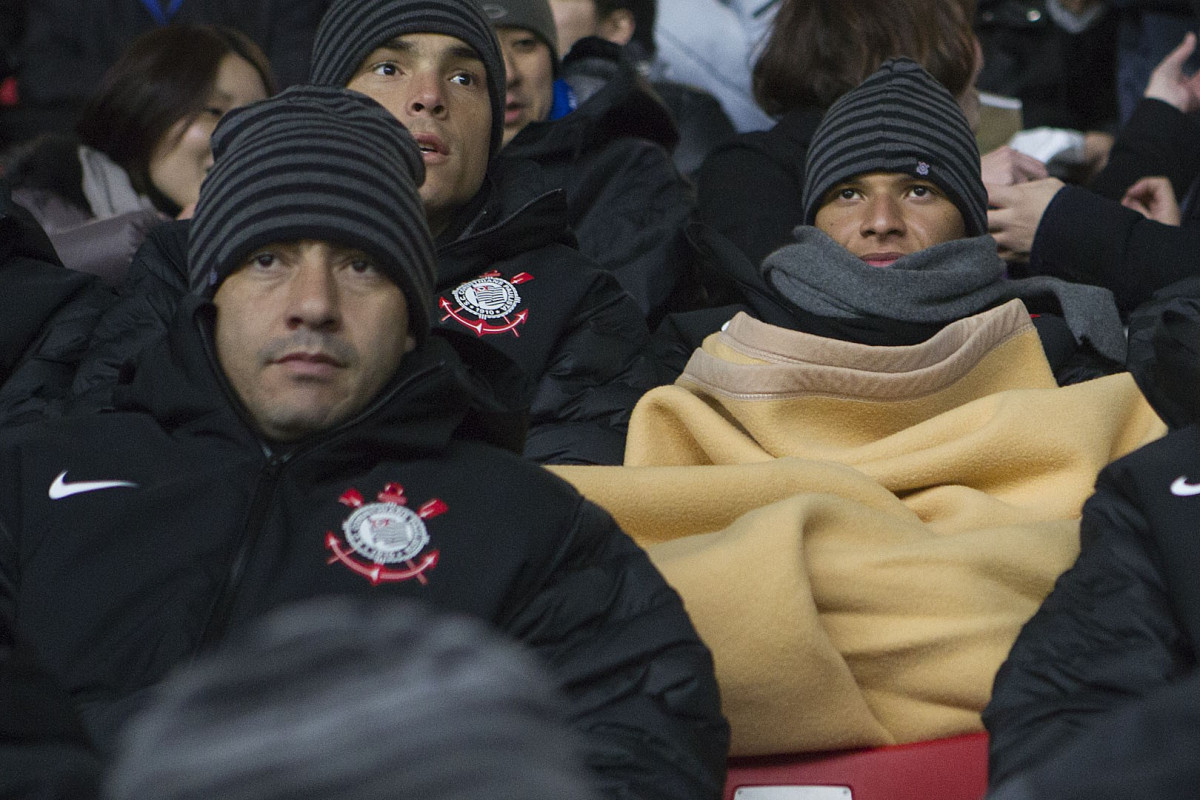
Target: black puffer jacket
48,315
627,203
508,279
44,751
1120,626
1144,749
1164,351
514,281
116,584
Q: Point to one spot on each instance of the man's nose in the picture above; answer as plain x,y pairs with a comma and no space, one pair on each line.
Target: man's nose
426,97
313,298
512,72
883,216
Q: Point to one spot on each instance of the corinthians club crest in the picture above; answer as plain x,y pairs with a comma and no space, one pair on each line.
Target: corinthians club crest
487,304
388,537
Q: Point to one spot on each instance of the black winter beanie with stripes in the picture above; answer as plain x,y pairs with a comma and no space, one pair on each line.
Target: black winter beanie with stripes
351,29
900,119
320,163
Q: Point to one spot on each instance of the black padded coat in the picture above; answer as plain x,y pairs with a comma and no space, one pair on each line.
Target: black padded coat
1120,627
210,527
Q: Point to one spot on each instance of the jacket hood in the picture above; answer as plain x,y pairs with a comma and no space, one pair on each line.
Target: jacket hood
625,105
429,400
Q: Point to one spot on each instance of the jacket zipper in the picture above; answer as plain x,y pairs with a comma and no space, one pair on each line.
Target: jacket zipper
222,609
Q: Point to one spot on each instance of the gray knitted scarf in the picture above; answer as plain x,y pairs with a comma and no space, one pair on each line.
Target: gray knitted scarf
936,285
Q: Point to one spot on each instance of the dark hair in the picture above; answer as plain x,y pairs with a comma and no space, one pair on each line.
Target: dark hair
820,49
644,13
162,77
355,697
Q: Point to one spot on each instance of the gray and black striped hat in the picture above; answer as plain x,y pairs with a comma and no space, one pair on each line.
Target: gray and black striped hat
351,29
322,163
900,119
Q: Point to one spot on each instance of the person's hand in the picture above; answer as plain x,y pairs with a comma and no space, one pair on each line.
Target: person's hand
1154,198
1015,212
1169,84
1005,166
1096,148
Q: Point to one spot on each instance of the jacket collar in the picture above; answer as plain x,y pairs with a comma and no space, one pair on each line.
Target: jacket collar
517,211
179,383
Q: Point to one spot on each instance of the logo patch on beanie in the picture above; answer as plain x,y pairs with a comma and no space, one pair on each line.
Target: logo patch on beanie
922,168
488,304
389,537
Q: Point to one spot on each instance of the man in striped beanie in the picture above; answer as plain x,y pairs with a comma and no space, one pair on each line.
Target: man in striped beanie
510,273
316,181
436,65
895,243
296,433
899,121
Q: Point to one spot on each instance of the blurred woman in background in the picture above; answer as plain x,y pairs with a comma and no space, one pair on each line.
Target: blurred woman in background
141,148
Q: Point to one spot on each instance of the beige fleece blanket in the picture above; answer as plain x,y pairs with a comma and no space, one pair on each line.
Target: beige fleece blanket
860,532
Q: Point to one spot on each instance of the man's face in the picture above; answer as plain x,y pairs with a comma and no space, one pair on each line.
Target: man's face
881,216
437,86
308,333
573,20
529,66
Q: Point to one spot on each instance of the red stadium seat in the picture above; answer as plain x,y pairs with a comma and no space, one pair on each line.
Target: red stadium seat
940,769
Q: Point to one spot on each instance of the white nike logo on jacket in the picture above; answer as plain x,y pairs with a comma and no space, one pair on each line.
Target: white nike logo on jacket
60,488
1181,488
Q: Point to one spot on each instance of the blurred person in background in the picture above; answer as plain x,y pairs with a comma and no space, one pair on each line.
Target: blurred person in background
711,44
141,148
348,697
623,30
63,47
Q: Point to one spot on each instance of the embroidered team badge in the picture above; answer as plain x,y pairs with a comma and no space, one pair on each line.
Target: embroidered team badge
386,533
487,304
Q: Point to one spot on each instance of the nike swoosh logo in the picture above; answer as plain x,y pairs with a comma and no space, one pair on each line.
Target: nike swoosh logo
60,488
1181,488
